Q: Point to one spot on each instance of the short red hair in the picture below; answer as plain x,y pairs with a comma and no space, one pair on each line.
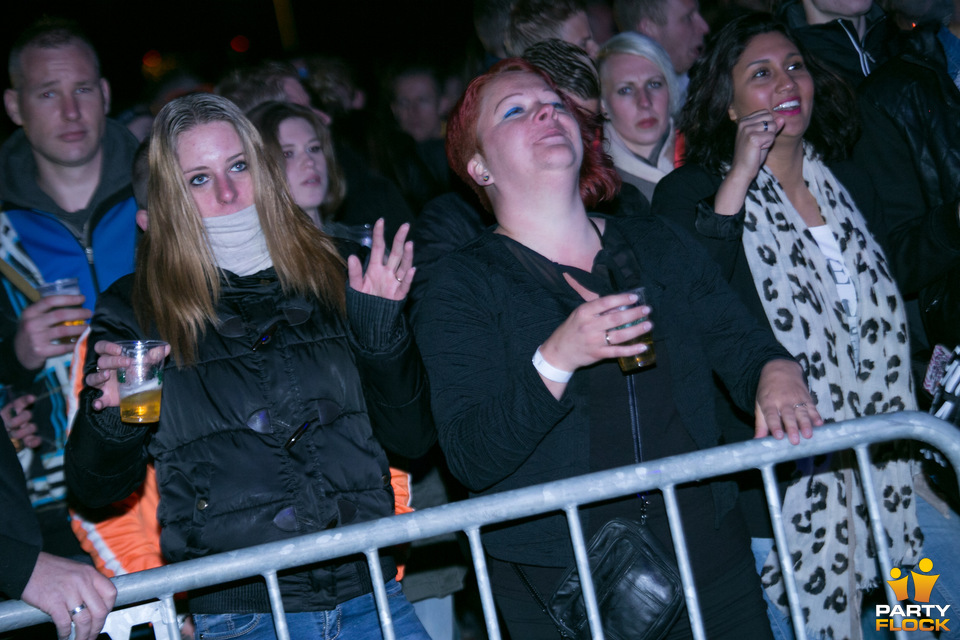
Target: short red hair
599,181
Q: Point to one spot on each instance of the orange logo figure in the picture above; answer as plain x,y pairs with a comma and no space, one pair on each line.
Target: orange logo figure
922,584
899,586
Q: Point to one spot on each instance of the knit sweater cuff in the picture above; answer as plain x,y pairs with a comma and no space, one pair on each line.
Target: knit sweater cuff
115,438
376,323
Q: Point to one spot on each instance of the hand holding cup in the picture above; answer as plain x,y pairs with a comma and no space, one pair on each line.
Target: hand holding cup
646,357
127,372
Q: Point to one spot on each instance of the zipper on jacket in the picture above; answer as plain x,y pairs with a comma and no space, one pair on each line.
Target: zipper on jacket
88,251
635,431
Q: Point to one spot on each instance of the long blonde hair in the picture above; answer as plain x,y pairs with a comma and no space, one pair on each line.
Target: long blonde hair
177,281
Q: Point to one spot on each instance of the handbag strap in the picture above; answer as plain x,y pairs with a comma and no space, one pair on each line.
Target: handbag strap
536,596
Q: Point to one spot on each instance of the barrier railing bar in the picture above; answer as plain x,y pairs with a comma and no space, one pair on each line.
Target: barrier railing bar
276,605
483,583
380,593
595,487
584,572
683,561
169,613
787,574
879,533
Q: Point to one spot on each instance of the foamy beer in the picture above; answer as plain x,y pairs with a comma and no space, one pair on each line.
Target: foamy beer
140,383
62,287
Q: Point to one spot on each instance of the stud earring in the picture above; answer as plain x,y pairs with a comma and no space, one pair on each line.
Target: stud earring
486,178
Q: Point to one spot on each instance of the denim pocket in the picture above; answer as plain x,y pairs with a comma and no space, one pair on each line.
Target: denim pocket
222,626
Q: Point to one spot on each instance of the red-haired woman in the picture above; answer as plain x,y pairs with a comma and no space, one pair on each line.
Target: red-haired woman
519,334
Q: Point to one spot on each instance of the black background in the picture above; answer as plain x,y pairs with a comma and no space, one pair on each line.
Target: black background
368,33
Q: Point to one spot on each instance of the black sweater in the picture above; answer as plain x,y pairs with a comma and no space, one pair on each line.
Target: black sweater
483,317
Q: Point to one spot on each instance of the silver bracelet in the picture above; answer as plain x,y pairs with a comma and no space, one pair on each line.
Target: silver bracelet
549,371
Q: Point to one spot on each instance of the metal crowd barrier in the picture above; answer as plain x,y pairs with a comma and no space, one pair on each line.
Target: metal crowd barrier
155,588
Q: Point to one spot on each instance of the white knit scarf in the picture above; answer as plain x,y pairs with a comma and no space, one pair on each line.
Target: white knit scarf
823,509
237,242
626,161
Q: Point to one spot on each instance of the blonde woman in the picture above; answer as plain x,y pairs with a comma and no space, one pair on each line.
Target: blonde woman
639,96
283,356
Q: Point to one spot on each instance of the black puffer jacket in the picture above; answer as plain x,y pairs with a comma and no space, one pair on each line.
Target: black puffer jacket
226,479
911,148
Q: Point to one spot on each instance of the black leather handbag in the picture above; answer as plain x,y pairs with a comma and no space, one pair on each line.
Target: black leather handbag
638,587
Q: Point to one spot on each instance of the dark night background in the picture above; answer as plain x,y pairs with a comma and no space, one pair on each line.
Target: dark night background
369,33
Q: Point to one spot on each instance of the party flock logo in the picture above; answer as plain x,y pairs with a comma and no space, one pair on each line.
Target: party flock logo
921,616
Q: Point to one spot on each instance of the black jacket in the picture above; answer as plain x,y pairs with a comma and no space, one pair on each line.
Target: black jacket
837,44
226,478
20,537
911,148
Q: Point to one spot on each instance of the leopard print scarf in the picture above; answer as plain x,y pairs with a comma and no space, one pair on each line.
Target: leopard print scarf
856,366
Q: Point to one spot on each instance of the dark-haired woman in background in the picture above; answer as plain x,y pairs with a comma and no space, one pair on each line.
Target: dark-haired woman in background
519,332
763,189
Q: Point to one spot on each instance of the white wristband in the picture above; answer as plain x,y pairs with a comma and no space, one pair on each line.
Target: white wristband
549,371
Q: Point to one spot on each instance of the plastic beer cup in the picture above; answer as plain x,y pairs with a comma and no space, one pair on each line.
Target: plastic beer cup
140,383
648,358
62,287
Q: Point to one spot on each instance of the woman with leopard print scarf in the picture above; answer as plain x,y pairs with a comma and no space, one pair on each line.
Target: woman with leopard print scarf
793,242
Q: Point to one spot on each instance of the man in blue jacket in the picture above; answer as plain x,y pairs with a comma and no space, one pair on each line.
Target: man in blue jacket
68,212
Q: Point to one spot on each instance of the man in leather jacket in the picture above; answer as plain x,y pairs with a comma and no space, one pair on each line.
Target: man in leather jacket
911,148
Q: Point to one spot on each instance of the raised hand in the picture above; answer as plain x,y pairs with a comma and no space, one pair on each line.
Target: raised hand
756,133
386,276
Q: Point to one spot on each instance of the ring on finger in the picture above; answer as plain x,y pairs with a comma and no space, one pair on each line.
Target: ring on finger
77,609
399,279
606,337
799,404
766,125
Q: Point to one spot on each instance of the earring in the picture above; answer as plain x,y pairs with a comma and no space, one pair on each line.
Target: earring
486,178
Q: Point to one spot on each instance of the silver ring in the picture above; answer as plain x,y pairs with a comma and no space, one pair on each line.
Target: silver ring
398,279
799,404
606,337
77,609
766,125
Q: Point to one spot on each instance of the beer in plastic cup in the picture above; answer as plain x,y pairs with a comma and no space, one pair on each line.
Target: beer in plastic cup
648,358
141,382
62,287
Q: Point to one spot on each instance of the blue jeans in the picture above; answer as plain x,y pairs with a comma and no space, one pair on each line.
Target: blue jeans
941,538
780,623
354,619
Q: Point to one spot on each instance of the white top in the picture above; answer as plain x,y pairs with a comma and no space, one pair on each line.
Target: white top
841,277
